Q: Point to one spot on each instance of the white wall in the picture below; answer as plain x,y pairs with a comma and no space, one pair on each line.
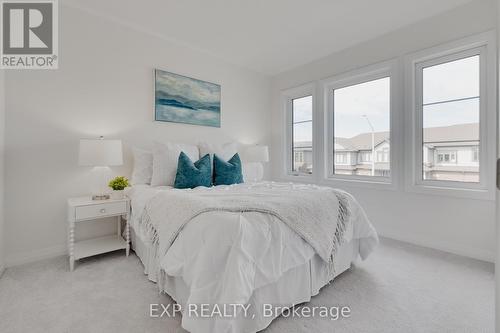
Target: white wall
2,135
104,86
461,226
497,222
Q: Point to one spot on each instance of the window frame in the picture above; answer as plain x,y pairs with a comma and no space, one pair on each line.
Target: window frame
451,153
483,45
287,97
343,159
386,155
365,157
363,75
402,151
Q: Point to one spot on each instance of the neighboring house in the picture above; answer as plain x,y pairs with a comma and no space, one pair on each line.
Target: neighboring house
353,156
302,157
452,153
449,153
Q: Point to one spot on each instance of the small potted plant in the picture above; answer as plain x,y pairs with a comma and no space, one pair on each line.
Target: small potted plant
118,184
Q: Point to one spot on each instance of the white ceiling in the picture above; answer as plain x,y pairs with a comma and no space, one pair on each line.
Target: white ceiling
267,36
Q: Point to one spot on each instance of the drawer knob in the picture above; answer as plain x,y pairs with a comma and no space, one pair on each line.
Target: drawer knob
103,210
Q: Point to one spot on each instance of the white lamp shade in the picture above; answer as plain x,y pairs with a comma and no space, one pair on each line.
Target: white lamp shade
100,152
257,154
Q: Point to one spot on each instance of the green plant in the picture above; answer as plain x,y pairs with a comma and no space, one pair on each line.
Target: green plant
119,183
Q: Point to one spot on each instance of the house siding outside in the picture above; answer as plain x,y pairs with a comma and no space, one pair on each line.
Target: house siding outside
449,153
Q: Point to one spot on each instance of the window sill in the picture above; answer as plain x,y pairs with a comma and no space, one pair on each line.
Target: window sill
340,182
453,192
299,177
377,183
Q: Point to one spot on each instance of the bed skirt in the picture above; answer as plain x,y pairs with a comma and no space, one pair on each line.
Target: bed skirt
296,286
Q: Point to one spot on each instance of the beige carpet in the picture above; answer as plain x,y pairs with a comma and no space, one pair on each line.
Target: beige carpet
400,288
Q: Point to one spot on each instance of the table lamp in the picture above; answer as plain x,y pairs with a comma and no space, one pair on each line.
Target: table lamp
100,154
257,155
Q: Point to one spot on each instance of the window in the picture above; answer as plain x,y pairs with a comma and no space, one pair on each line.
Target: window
450,116
452,106
298,106
383,155
447,158
302,134
298,157
365,157
358,122
361,123
475,154
441,129
340,158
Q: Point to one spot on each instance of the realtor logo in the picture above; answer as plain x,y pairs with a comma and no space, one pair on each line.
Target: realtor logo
29,34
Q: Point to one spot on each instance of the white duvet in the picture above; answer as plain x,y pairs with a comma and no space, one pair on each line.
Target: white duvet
223,257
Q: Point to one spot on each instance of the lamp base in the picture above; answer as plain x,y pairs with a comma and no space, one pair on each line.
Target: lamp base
100,197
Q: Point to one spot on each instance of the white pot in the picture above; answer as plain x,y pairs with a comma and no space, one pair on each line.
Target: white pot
117,194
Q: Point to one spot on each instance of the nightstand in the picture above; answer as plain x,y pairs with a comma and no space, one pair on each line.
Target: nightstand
85,209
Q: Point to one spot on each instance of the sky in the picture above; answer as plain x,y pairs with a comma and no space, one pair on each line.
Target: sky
441,83
187,87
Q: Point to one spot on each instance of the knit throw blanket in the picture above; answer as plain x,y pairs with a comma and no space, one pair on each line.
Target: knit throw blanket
318,214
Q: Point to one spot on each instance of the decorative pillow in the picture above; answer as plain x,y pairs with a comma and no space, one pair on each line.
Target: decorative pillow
165,158
191,175
143,166
227,173
224,151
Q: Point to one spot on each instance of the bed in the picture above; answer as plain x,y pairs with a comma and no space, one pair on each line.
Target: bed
251,257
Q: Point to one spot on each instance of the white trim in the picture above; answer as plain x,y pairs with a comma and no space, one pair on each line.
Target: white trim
485,45
286,97
439,245
418,119
373,72
26,257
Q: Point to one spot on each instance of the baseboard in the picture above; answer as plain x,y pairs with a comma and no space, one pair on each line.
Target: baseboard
59,250
21,258
473,253
2,270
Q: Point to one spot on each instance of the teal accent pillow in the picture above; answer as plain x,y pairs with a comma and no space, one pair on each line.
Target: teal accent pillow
227,173
191,175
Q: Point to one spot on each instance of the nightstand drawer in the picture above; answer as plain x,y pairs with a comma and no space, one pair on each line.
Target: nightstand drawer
96,211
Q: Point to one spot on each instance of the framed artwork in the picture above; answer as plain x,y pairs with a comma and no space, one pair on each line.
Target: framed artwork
181,99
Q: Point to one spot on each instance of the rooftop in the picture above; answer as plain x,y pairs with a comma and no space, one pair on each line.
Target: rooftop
445,135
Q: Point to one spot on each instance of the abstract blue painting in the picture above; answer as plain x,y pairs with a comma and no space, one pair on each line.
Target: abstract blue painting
182,99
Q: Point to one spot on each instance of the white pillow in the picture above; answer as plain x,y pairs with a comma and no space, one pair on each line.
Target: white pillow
165,159
252,172
224,151
143,166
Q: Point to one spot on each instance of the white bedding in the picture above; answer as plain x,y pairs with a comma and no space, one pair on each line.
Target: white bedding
224,257
139,196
